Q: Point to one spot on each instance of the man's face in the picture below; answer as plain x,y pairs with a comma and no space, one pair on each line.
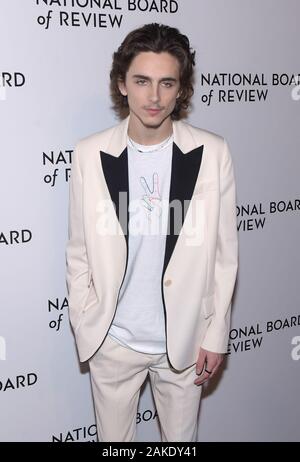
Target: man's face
151,85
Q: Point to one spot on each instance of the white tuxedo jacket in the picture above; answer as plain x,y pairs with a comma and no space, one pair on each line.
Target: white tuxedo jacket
201,258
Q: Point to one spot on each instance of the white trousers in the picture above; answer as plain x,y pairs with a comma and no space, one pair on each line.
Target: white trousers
117,374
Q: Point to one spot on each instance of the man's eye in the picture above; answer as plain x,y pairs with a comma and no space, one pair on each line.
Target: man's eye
168,84
141,82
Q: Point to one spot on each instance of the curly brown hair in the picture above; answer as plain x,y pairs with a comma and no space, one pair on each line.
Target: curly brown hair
156,38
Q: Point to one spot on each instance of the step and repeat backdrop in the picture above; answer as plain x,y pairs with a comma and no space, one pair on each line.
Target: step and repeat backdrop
55,59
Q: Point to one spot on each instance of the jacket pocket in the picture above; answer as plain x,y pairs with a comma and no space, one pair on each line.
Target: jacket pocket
204,186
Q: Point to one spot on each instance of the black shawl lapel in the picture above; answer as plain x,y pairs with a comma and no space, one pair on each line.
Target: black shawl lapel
185,170
115,171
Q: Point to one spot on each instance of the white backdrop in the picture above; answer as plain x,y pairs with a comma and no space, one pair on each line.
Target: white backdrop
55,60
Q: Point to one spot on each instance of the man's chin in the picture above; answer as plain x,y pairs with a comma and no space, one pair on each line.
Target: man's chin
151,122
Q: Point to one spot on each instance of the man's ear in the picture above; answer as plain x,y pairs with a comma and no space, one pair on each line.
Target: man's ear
122,87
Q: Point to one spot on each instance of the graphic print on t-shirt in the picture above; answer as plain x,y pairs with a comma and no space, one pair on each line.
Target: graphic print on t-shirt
151,200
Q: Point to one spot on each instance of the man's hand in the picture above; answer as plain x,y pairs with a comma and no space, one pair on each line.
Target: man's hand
207,365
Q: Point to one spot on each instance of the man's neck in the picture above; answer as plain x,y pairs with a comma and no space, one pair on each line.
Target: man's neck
147,135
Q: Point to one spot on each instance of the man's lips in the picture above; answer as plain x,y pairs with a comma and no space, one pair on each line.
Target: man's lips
153,110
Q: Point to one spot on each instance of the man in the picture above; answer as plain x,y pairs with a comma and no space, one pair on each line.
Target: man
152,251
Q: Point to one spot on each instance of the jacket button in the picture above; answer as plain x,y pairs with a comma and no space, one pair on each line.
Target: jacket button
168,282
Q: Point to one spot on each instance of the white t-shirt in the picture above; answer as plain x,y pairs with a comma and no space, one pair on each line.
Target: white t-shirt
139,322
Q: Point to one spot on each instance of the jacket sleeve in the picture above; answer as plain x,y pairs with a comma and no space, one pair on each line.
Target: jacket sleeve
226,263
77,268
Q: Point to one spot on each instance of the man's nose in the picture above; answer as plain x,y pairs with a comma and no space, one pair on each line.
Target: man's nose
154,93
